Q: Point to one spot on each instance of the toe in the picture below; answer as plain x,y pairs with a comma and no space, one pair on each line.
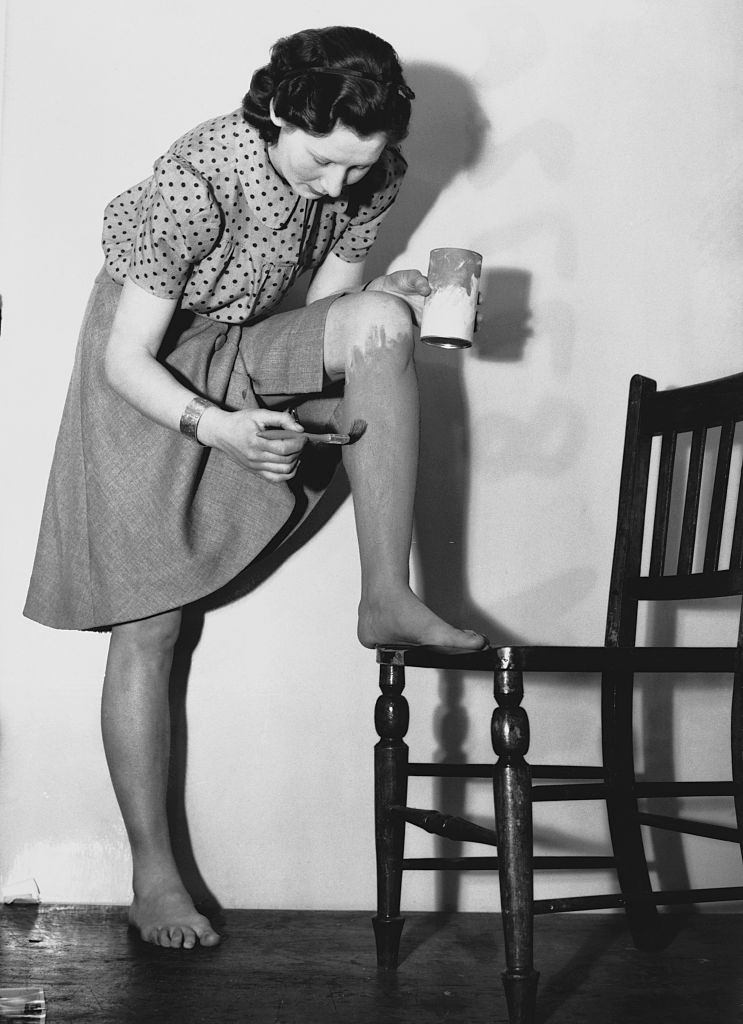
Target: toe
209,938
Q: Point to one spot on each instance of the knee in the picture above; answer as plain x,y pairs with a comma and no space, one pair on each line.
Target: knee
368,326
152,637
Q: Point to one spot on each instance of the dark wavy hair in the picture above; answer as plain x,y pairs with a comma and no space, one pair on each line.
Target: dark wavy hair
321,77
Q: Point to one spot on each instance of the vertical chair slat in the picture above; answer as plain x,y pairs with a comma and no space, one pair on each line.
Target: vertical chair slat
662,505
736,554
691,502
719,494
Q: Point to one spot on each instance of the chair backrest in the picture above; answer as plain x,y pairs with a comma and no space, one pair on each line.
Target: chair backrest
667,552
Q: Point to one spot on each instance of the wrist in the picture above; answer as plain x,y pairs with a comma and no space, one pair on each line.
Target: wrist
207,429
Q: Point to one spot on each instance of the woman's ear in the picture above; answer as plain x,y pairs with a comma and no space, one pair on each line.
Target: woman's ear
278,121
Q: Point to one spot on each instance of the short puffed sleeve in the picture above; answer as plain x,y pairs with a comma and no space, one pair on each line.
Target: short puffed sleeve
385,180
156,232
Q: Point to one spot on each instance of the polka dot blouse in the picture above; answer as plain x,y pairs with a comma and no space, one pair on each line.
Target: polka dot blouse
216,225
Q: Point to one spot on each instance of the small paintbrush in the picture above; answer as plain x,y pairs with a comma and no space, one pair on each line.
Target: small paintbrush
357,429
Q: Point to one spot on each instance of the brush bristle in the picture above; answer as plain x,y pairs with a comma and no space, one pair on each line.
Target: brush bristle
358,427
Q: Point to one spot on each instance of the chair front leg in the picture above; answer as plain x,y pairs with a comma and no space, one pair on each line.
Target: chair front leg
513,816
391,718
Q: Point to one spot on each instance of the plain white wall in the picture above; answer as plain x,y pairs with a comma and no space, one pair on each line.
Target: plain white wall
592,152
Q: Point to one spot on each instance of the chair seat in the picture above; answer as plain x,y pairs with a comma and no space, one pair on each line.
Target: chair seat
549,658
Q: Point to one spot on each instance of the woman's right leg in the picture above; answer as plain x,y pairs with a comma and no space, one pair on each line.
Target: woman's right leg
135,720
369,343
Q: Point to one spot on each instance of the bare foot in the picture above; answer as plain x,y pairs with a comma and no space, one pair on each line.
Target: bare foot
171,920
405,619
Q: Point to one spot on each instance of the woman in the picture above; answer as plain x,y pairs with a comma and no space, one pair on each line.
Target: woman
177,446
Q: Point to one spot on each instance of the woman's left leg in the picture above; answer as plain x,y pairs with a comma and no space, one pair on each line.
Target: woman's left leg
135,719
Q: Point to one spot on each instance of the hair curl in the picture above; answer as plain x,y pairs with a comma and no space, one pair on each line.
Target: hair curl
319,78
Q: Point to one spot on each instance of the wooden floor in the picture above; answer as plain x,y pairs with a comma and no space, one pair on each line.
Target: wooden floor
283,967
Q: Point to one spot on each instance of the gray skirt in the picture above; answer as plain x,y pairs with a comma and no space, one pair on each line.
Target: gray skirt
137,519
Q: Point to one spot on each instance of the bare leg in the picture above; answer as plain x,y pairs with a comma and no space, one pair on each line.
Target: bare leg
135,718
369,341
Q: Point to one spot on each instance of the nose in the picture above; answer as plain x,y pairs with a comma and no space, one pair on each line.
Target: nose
333,181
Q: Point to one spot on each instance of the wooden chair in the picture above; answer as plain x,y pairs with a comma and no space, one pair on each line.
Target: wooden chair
683,419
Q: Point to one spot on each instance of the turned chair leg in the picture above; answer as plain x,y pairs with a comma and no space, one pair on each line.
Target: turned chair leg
512,793
391,718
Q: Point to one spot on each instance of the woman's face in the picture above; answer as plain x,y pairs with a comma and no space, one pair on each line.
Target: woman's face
316,166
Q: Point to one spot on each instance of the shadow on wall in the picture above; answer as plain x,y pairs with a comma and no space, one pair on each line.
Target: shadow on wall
448,138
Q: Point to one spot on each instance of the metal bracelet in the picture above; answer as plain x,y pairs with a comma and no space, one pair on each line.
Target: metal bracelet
191,416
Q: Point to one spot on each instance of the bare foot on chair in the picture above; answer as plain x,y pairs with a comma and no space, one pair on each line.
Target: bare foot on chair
404,619
169,919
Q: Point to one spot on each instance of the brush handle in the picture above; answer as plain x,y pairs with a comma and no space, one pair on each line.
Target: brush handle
280,435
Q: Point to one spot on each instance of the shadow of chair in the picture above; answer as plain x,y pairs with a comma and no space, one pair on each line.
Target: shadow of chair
685,440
